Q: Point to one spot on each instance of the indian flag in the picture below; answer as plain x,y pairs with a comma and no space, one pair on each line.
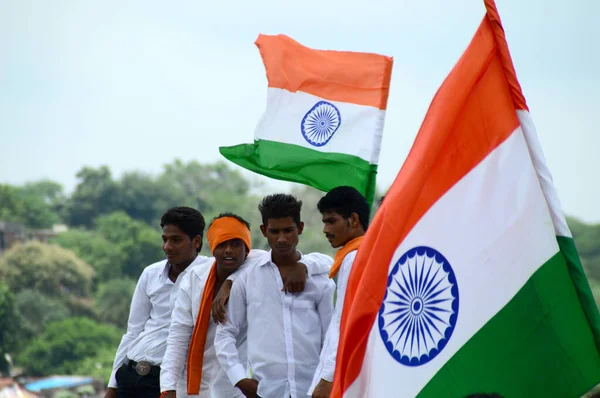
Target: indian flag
468,280
324,118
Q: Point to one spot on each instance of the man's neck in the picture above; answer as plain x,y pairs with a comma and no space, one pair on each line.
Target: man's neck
282,261
357,235
176,269
222,275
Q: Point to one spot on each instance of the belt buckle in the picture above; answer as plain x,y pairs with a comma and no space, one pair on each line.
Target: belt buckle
143,368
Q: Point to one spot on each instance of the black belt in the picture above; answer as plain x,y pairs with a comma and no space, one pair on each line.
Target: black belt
143,368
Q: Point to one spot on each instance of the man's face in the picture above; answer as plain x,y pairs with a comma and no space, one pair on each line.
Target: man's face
230,255
282,235
177,245
337,229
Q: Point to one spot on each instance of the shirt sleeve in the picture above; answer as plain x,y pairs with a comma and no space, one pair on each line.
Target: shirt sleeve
254,257
317,263
226,334
180,333
139,314
332,338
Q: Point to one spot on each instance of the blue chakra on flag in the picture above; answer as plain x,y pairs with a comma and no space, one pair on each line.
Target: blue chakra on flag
320,123
420,307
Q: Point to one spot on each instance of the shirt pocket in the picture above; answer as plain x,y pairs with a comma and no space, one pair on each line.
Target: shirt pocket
305,315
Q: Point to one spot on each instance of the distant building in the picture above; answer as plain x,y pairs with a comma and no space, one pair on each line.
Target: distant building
11,233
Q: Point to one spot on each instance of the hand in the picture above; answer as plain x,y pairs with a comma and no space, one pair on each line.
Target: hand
295,279
220,301
168,394
110,393
248,387
323,389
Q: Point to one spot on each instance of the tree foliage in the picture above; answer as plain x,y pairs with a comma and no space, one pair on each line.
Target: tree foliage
21,205
92,247
49,269
138,243
36,310
113,299
10,325
65,344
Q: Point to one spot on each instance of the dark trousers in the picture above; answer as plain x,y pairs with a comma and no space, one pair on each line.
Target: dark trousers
132,385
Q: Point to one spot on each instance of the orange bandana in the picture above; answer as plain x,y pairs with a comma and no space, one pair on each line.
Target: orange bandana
221,230
226,228
342,253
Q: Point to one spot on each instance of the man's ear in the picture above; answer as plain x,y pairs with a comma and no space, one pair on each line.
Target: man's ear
300,227
263,229
354,220
197,243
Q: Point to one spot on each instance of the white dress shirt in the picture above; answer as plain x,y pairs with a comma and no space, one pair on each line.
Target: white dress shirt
285,331
149,317
214,383
327,361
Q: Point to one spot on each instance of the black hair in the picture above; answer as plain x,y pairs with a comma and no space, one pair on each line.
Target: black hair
189,220
280,205
227,214
344,201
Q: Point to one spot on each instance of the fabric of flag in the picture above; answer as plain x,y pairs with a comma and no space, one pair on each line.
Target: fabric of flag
468,280
324,118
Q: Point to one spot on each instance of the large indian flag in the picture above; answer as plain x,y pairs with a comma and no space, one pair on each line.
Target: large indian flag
468,279
324,119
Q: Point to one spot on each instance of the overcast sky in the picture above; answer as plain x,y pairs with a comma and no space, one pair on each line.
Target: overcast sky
135,84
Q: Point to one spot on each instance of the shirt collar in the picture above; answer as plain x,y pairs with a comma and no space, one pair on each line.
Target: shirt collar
268,259
165,271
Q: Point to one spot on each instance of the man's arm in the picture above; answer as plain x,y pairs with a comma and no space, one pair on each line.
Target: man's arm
317,263
330,346
325,308
139,313
226,334
180,333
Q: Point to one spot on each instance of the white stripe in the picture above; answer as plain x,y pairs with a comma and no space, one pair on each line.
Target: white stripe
359,133
539,162
495,230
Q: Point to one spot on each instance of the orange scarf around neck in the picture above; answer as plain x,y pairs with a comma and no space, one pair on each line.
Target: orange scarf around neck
198,342
342,253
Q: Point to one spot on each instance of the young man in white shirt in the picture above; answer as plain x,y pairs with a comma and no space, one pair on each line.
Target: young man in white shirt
190,353
136,368
284,332
346,219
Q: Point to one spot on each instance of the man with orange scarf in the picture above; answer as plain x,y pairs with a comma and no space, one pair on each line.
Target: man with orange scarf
346,217
190,350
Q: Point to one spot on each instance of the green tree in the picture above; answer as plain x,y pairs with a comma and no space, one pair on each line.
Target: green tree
10,326
96,194
113,299
17,205
64,344
51,192
49,269
139,243
99,365
92,247
37,309
143,198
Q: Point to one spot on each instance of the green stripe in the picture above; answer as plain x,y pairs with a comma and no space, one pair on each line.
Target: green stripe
567,247
294,163
539,345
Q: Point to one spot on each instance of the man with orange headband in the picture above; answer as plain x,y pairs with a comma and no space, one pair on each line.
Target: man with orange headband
190,357
346,217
